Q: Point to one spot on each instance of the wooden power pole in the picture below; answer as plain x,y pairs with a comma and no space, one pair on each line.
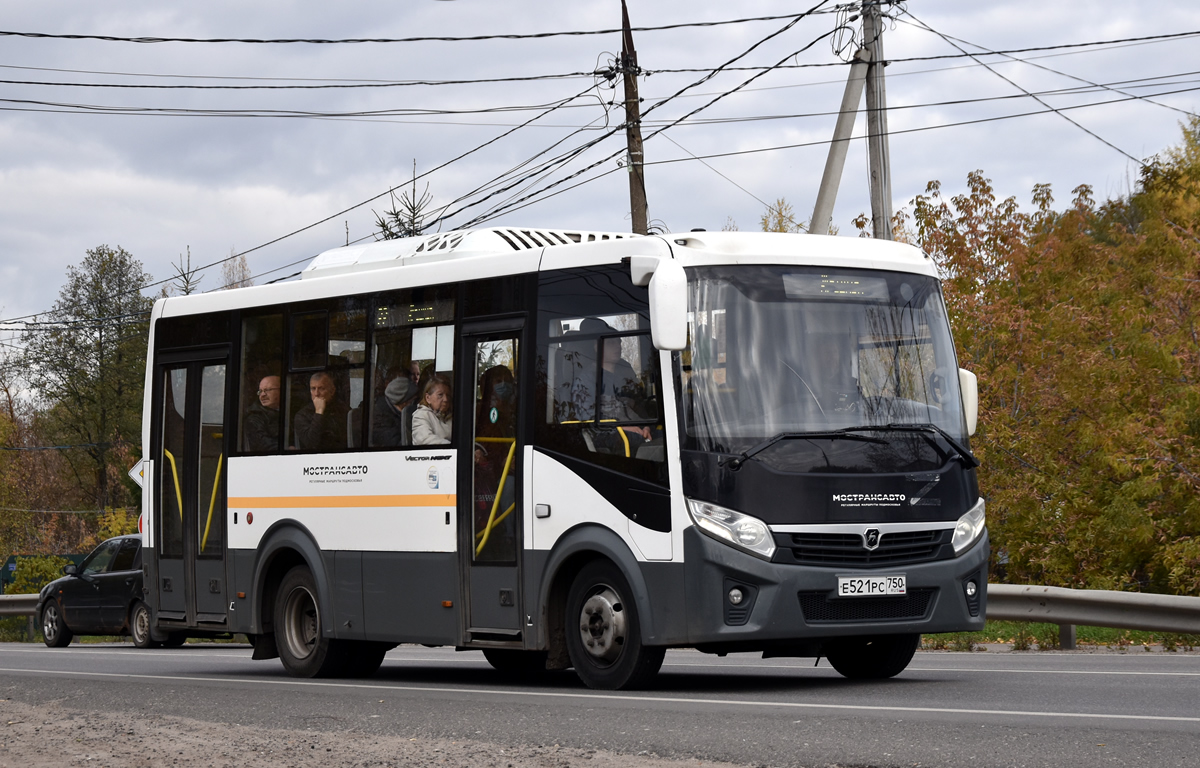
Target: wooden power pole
633,128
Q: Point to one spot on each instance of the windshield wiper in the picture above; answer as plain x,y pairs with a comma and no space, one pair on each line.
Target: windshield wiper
961,452
837,434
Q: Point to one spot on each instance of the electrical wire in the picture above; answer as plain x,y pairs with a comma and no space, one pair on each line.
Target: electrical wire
1014,84
425,39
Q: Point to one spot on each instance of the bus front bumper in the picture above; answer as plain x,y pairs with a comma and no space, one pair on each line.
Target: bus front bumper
784,605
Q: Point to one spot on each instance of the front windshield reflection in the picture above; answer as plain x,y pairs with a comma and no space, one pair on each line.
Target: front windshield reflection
778,349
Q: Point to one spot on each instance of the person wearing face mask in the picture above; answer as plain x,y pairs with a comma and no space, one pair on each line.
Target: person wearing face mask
496,418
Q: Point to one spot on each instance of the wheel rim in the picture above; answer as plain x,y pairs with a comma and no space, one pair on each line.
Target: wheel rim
141,624
301,623
50,622
602,625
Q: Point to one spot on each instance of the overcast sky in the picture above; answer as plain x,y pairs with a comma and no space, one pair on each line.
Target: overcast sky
213,171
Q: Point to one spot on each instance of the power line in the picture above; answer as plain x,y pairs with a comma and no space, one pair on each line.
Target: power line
1014,84
355,41
327,86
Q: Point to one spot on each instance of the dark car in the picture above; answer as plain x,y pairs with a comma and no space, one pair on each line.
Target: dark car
100,596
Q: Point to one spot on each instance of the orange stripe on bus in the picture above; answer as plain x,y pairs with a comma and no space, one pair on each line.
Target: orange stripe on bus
308,502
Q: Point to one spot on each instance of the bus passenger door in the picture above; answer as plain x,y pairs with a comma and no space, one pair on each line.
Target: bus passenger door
191,467
490,494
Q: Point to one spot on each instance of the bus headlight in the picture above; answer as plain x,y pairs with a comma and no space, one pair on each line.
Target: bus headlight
742,531
969,528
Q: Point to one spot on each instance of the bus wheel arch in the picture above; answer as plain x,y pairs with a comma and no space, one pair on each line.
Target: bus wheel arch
285,546
573,552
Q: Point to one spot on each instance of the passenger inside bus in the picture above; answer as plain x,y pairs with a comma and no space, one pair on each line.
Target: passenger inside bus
391,420
262,420
619,396
321,424
432,422
495,426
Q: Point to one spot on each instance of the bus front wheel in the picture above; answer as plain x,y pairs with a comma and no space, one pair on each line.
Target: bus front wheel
303,649
872,658
603,631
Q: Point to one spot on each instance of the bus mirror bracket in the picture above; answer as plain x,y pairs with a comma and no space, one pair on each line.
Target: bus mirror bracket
668,299
968,383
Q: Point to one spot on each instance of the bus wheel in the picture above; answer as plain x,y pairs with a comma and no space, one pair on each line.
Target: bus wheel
139,625
54,629
510,661
305,652
605,642
872,658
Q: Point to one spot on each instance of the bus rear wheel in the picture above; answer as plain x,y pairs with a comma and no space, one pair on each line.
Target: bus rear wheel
303,648
603,631
872,658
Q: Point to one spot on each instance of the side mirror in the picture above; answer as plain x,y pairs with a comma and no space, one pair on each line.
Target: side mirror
969,384
668,299
70,569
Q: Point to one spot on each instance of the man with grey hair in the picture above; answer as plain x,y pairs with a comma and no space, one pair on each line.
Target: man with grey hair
321,425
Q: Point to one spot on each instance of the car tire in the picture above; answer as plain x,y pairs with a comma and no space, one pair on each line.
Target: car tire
603,631
303,647
54,629
872,658
139,625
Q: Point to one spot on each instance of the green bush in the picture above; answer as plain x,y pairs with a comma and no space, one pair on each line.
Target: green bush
33,573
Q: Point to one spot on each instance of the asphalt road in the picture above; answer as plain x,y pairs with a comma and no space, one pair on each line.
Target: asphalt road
947,709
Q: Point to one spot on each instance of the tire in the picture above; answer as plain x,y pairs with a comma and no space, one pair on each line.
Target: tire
516,663
872,658
139,626
303,649
604,633
54,630
362,657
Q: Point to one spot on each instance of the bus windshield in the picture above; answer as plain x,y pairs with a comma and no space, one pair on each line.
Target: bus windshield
786,350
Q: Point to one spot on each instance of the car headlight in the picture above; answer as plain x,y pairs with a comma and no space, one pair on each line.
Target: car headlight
742,531
969,529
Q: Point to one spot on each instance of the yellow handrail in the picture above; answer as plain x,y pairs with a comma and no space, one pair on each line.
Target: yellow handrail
499,520
491,523
175,474
212,502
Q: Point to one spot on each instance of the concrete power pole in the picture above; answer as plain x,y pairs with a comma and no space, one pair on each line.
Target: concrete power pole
877,131
827,194
633,128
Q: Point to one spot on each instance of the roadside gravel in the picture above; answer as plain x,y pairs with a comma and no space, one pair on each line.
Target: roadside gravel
55,735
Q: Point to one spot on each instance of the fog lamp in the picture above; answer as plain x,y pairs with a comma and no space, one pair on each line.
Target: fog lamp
971,589
735,596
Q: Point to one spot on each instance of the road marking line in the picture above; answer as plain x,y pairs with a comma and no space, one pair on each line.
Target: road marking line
621,697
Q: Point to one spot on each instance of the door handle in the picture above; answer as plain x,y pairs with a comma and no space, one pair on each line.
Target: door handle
129,581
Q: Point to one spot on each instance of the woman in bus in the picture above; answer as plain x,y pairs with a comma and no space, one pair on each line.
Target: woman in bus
432,419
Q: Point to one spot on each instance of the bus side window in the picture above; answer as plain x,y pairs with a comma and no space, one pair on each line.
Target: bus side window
413,334
326,382
601,373
262,391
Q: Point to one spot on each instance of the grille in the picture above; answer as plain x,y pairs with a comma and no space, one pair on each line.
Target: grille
846,549
818,608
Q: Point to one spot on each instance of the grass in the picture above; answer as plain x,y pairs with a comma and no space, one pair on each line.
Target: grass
15,629
1024,636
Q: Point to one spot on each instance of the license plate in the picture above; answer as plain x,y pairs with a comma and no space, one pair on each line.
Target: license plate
871,586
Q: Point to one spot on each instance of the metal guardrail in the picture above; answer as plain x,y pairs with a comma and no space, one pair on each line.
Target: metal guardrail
1094,608
18,605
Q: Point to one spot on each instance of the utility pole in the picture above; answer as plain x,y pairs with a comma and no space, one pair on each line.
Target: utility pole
633,128
836,162
877,131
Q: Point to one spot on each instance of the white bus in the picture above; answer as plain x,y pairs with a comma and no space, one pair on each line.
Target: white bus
567,449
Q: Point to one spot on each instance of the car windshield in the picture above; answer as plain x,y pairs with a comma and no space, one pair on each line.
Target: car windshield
777,349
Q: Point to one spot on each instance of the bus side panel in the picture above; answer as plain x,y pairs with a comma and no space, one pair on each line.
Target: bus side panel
404,596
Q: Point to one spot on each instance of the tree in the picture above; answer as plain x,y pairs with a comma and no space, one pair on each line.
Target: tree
85,365
407,217
781,218
235,272
1082,326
